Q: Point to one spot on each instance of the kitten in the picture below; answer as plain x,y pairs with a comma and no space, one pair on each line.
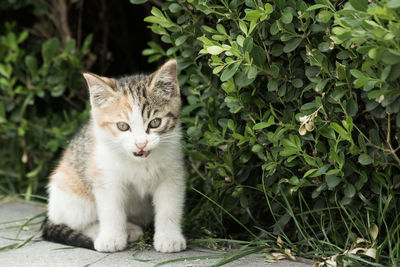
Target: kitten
122,167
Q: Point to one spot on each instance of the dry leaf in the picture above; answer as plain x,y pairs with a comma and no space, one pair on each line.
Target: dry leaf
289,254
310,126
302,130
356,250
331,262
373,231
279,241
371,252
304,119
278,255
361,240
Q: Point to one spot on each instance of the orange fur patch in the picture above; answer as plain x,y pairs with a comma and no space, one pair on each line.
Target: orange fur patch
69,180
116,111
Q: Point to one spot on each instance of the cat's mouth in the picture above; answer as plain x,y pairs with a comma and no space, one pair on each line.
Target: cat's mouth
141,154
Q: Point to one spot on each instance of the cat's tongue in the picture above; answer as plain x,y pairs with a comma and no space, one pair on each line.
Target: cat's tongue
142,154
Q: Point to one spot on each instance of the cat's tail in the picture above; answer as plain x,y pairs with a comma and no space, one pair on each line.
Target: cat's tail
63,234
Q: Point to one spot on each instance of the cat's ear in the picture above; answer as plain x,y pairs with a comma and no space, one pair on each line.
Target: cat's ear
100,89
164,82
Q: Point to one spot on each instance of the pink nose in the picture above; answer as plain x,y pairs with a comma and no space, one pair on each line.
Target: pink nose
141,146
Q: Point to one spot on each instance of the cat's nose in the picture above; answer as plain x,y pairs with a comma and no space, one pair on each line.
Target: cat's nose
141,145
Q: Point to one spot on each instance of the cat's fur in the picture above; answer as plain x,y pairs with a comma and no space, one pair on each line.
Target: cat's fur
107,185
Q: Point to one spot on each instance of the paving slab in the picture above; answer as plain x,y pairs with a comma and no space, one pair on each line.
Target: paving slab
20,221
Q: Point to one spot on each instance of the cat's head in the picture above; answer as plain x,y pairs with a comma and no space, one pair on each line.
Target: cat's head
138,113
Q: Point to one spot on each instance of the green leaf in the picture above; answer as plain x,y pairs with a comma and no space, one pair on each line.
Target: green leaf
339,129
243,27
272,85
6,70
390,59
332,181
357,74
343,54
256,148
138,2
309,172
316,6
221,29
288,151
393,4
86,43
252,15
258,54
268,8
229,71
50,49
248,44
242,80
297,83
324,16
274,28
22,37
181,39
215,50
328,133
174,7
349,190
292,45
364,159
263,125
351,107
340,71
218,69
360,5
252,72
286,17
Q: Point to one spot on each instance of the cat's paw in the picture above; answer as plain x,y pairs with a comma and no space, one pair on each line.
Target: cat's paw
169,242
134,232
110,243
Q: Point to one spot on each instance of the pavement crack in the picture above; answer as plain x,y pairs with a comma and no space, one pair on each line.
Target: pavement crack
96,261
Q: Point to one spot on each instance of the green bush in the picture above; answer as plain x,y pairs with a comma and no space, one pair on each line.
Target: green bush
41,106
292,121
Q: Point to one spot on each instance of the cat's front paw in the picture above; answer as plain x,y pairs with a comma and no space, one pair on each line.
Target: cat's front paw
134,232
169,242
110,243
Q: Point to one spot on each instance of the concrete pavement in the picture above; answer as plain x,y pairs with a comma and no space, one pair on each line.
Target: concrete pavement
14,231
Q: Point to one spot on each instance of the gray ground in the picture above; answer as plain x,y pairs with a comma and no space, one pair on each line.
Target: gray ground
42,253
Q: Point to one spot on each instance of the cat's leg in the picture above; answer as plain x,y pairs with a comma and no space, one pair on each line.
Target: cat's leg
140,213
112,218
134,232
76,211
168,200
92,231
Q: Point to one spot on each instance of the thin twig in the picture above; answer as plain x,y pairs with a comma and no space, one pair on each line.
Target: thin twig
59,16
391,150
156,3
79,27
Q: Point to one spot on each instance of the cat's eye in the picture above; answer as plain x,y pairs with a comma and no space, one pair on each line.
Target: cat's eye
123,126
155,123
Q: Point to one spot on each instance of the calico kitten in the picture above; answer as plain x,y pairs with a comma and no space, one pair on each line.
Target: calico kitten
123,167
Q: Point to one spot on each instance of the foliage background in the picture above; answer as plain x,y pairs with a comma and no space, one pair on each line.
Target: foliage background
291,118
292,122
